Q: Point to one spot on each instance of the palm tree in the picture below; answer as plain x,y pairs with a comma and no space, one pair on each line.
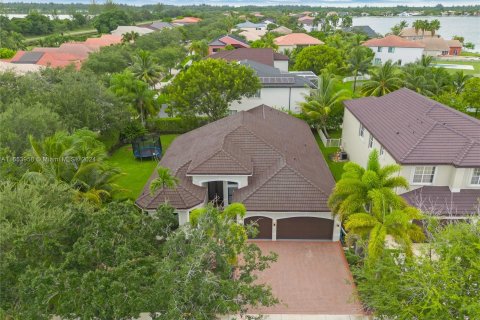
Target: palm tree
403,24
425,25
434,26
417,25
417,79
384,220
135,92
75,160
321,100
425,61
351,193
144,68
459,81
347,21
199,48
383,80
164,180
359,62
130,37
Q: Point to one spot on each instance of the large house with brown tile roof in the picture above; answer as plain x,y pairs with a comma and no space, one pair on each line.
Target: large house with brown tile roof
438,148
263,158
395,49
261,55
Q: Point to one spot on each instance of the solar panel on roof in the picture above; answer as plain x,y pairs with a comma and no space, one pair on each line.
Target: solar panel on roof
30,57
277,80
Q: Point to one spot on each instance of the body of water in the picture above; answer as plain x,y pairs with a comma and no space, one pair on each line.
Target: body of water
467,27
59,16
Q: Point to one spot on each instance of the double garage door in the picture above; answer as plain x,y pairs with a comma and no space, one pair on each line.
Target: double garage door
302,228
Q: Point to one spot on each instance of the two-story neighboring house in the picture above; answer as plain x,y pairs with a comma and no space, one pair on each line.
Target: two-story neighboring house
308,23
438,148
263,158
396,49
280,89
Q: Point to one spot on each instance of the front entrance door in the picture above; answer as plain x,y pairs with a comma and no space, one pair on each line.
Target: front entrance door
215,192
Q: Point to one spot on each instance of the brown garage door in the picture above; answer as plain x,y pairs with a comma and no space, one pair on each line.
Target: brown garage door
264,226
305,228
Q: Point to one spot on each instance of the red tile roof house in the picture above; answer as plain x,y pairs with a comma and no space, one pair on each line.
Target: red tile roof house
261,55
396,49
223,41
438,148
186,21
263,158
295,40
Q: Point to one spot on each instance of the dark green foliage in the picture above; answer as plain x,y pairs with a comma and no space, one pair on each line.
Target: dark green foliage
111,59
111,19
318,58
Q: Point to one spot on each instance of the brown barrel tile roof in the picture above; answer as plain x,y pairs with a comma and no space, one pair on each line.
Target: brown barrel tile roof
261,55
418,130
442,201
393,41
277,151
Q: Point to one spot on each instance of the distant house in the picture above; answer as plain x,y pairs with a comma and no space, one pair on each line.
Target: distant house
280,89
159,25
454,47
295,40
366,30
186,21
221,42
121,30
247,25
282,30
437,146
440,47
396,49
261,55
308,23
252,34
263,158
412,34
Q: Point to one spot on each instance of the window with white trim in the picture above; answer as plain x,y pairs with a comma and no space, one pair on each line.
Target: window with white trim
379,49
361,131
475,177
391,49
382,150
232,186
424,174
370,142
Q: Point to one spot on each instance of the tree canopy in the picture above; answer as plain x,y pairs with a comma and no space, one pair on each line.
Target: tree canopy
318,58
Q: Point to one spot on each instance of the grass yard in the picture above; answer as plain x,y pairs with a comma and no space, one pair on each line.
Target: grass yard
475,64
335,167
136,172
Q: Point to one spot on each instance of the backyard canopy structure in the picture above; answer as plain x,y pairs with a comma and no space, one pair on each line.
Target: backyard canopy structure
147,146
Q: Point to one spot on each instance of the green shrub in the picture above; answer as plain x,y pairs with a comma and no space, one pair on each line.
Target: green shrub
175,125
6,53
110,139
132,131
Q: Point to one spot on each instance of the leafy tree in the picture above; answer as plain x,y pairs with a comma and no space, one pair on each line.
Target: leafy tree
11,40
351,193
111,19
383,80
321,100
199,48
164,180
359,61
209,86
469,45
110,59
169,57
267,41
77,160
318,58
161,39
440,286
62,258
145,68
347,21
471,93
134,92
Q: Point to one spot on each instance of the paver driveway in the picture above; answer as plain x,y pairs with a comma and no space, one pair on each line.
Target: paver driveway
309,278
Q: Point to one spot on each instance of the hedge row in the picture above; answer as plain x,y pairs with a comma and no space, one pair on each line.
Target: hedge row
175,125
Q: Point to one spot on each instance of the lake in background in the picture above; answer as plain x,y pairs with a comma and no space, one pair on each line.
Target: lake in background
467,27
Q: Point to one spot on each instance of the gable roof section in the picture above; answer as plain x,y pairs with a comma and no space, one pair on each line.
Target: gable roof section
261,55
282,30
249,24
297,39
229,39
454,43
410,32
418,130
288,172
393,41
434,44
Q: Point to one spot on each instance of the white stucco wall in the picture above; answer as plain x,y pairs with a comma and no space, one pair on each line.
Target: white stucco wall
279,98
358,151
281,65
200,180
406,55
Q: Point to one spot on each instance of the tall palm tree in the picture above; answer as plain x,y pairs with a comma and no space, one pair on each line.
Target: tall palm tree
425,25
384,220
417,25
383,80
76,160
321,100
145,68
417,79
351,193
425,61
459,81
434,26
359,62
164,180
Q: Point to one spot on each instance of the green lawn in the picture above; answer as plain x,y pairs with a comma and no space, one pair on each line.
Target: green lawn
136,172
335,167
475,64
